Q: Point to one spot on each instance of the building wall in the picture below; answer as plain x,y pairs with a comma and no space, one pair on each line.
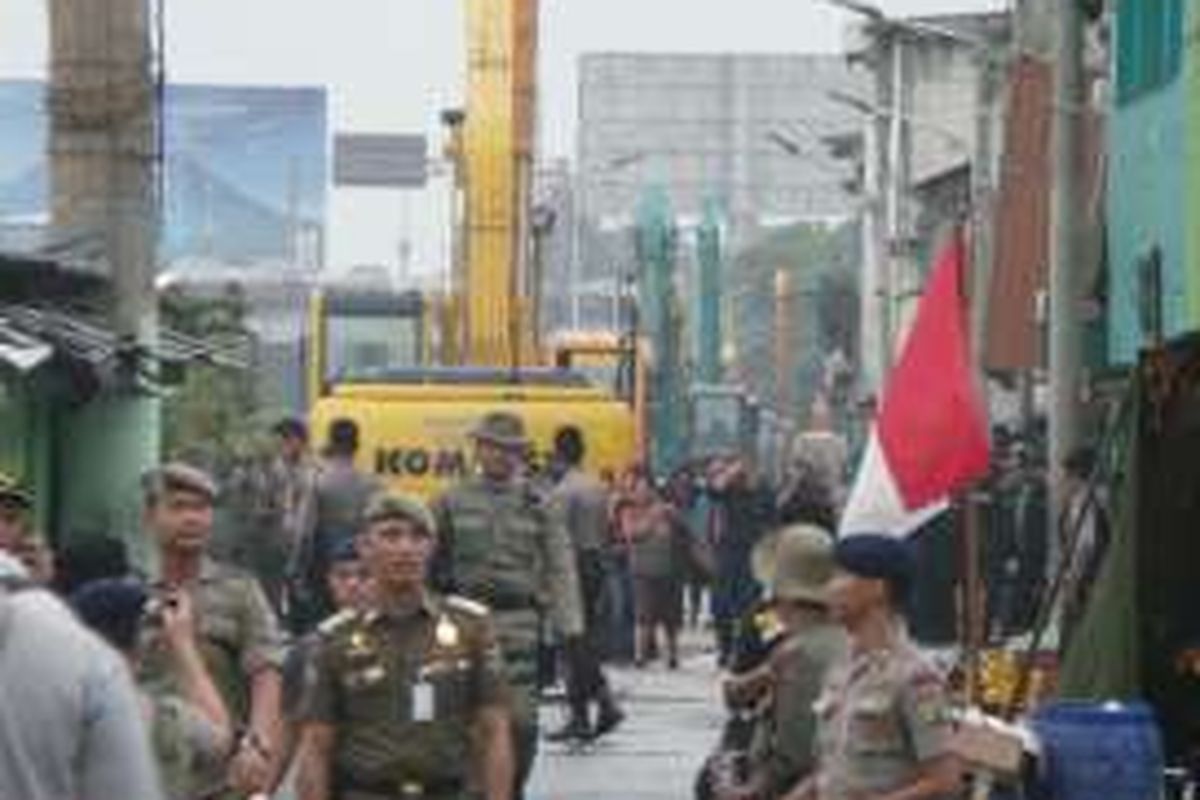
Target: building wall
1149,200
701,127
1191,102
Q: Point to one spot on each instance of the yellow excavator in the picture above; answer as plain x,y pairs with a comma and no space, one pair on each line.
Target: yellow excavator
416,372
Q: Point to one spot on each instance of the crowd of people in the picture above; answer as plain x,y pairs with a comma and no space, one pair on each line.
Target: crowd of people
371,646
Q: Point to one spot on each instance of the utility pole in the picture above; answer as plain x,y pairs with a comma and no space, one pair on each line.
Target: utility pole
982,193
103,147
875,300
1069,102
899,224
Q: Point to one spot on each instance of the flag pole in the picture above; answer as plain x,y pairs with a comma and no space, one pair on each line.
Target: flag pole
973,593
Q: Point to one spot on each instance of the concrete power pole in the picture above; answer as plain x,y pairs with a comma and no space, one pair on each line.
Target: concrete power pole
1065,344
875,318
982,193
102,150
901,274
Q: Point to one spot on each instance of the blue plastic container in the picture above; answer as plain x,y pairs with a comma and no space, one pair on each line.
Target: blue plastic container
1093,751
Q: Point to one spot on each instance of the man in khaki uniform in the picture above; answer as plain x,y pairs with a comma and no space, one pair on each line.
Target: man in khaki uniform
795,565
502,546
883,718
401,691
238,634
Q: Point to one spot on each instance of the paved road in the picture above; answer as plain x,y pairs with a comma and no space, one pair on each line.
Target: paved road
674,718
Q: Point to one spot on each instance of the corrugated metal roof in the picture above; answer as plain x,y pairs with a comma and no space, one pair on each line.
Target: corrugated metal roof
21,351
93,342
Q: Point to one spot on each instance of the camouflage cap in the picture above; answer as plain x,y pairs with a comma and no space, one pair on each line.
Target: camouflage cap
397,505
176,476
795,563
502,428
12,494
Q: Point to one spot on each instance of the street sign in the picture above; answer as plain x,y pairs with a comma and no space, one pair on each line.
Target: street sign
385,160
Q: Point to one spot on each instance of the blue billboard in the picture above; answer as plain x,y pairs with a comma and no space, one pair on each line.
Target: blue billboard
245,173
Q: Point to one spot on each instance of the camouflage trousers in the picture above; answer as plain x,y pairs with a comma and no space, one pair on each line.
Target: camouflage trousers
518,632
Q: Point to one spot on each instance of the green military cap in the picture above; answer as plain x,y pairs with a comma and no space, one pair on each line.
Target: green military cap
502,428
397,505
176,476
12,494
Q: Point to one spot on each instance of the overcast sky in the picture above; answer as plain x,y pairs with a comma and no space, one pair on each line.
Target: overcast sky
394,64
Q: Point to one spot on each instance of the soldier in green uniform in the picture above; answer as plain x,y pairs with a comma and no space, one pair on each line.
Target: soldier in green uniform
238,634
883,723
503,546
795,565
409,699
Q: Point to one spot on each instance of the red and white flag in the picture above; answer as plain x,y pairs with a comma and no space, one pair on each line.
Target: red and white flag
931,434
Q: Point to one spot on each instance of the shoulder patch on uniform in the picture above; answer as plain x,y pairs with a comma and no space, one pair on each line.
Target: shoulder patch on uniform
466,606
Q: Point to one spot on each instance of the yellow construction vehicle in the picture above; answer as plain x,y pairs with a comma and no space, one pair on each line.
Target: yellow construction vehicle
369,363
415,373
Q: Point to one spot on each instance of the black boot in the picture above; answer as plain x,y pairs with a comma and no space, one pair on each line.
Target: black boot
577,729
610,716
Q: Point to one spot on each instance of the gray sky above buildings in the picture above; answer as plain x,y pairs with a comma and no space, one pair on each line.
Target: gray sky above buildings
394,64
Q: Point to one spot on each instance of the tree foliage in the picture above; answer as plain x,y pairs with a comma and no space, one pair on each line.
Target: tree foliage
210,416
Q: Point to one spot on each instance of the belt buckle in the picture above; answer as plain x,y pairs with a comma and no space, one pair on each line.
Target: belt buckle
411,789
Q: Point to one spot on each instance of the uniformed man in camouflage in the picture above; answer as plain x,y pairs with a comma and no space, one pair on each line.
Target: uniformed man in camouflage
883,723
238,634
409,700
503,546
795,565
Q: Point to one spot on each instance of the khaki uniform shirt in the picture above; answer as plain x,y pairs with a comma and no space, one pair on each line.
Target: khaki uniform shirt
402,693
880,716
238,637
785,746
501,545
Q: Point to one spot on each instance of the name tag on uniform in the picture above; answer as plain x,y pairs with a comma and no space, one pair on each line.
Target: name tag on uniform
422,701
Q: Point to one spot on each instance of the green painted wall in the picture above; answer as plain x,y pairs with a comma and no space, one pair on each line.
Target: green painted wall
1191,100
1148,187
104,448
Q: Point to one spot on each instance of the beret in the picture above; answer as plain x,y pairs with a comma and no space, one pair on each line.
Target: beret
176,476
393,505
875,555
